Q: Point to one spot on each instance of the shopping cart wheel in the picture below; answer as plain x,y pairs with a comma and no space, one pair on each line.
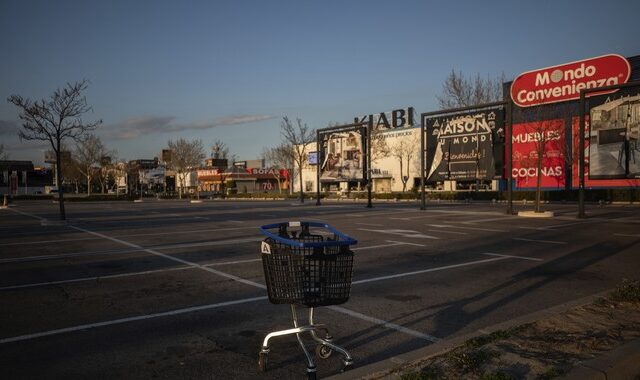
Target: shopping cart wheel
323,351
262,362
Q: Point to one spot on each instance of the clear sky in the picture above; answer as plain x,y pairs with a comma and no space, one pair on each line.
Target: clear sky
230,70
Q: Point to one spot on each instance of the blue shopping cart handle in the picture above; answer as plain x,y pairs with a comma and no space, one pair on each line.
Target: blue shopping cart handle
344,239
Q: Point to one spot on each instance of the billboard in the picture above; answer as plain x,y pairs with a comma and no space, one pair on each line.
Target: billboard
613,137
563,82
589,181
341,155
465,146
528,139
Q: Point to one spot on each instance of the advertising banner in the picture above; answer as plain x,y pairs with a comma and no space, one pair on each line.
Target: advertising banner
341,155
563,82
465,146
589,181
613,137
528,139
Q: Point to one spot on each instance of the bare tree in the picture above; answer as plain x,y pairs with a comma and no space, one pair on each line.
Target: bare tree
55,119
298,137
219,150
185,155
403,150
459,91
3,154
88,155
278,157
546,132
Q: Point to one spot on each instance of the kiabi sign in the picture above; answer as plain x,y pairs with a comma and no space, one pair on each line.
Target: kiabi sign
400,118
564,82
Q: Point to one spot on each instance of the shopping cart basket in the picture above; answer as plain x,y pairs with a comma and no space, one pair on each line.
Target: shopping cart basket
307,264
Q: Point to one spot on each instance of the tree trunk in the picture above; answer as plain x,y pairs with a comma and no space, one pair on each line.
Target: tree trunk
301,192
63,215
88,184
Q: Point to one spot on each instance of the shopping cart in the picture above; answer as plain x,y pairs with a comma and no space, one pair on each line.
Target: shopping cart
306,265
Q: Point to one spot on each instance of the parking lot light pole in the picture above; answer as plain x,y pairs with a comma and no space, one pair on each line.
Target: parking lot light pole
317,168
369,130
423,199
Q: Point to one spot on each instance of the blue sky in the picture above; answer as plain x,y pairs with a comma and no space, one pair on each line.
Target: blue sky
230,70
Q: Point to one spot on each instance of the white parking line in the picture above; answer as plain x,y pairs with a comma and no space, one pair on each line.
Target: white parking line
403,233
98,278
384,323
130,319
514,257
123,251
398,275
541,241
465,228
627,235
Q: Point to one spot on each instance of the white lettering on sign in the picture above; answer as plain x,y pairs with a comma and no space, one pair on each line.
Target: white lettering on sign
265,171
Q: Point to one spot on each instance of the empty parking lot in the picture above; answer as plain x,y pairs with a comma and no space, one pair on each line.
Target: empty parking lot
169,289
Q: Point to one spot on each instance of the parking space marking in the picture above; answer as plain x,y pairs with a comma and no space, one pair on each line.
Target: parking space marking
441,231
384,323
413,273
47,241
130,319
176,259
627,235
406,243
540,241
514,257
123,251
465,228
403,233
98,278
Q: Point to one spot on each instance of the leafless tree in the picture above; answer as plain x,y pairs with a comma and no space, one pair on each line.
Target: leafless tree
54,120
219,150
278,157
3,154
546,133
185,155
88,154
403,150
106,174
298,137
460,91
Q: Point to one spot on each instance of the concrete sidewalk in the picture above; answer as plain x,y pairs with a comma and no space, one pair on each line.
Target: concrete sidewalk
622,362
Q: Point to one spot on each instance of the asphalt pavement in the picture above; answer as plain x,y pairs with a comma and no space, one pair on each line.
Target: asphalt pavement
170,289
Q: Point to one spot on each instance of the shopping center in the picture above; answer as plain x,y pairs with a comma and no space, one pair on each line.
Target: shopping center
467,150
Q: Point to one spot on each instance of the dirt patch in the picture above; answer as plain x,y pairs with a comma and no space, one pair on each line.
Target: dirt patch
545,349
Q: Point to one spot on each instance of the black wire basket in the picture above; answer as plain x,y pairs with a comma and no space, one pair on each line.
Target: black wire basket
304,268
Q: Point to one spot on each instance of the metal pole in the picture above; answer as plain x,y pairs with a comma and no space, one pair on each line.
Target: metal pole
509,137
581,213
423,199
318,168
369,184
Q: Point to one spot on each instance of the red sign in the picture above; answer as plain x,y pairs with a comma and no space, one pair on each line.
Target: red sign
526,141
564,82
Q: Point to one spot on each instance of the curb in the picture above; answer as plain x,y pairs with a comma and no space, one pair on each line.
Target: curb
392,367
620,363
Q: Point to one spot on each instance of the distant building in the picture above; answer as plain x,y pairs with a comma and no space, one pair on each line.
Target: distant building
22,178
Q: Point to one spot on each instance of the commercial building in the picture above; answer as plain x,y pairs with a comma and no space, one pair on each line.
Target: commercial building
545,108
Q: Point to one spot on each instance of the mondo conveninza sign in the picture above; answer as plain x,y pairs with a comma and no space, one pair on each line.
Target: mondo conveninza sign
564,82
